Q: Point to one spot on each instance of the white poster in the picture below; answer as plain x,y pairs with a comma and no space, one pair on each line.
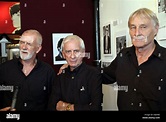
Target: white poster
57,54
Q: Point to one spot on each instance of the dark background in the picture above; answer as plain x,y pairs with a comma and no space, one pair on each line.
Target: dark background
59,16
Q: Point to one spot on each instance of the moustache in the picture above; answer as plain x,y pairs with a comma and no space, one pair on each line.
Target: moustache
143,38
24,51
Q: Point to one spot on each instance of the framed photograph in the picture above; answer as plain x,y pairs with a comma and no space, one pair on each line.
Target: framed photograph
14,53
105,64
57,39
11,18
161,6
121,40
107,39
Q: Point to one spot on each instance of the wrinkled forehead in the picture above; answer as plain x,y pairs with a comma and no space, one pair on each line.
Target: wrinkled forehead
27,38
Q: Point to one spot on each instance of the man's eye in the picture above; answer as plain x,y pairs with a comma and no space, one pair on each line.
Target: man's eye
76,51
67,52
29,44
132,27
143,27
21,42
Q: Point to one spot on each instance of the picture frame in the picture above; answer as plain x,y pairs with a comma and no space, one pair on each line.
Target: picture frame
11,18
107,40
121,39
13,51
57,39
105,64
161,6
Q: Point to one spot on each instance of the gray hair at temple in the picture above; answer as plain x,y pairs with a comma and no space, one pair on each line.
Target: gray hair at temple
73,37
144,13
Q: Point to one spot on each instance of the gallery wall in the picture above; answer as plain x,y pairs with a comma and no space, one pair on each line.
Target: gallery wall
60,16
116,13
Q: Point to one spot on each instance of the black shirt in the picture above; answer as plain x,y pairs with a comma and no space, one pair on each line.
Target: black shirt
81,87
34,89
140,87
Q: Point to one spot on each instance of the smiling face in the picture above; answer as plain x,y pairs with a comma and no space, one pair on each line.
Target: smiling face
29,46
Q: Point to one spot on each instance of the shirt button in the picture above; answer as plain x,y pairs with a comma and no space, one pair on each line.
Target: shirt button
140,104
25,104
121,55
44,88
140,71
138,75
159,88
135,89
159,55
161,79
72,77
132,103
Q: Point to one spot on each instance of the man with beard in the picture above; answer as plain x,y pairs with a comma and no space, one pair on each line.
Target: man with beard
31,76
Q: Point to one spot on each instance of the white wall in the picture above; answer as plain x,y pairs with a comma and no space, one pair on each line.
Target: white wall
116,12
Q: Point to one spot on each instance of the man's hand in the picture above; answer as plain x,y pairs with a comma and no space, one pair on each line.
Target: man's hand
62,68
61,106
6,109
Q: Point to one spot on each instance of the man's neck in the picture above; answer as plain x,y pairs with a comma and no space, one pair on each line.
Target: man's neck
144,53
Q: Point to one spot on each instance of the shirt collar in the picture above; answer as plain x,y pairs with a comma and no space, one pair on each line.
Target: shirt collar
76,69
158,52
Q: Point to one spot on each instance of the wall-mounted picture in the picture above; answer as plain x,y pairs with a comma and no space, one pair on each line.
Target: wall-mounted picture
121,40
105,64
161,6
57,51
107,39
14,53
10,17
120,43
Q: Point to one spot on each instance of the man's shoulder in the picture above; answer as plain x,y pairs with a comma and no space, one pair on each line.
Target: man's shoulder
91,68
9,62
44,65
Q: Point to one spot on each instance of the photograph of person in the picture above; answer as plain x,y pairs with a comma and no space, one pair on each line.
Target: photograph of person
15,17
162,6
10,17
107,39
59,57
57,39
120,43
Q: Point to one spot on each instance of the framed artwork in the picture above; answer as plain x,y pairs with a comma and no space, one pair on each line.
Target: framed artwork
57,39
107,39
10,17
105,64
14,53
161,6
121,40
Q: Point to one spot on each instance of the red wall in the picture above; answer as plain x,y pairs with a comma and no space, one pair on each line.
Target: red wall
60,19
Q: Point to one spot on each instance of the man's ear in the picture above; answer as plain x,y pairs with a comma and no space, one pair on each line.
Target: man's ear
156,30
83,53
39,48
